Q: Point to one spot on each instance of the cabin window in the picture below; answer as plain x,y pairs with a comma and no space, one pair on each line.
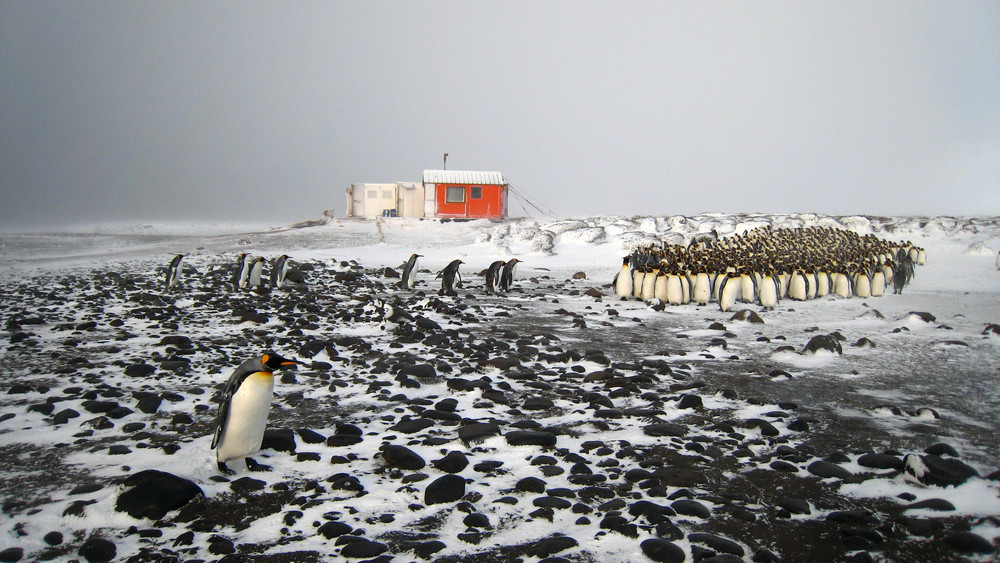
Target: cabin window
476,192
372,194
455,194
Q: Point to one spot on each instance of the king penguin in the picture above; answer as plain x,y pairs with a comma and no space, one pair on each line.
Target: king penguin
242,271
256,271
174,271
493,276
729,290
623,281
798,286
410,272
278,271
450,278
769,289
507,274
702,290
243,411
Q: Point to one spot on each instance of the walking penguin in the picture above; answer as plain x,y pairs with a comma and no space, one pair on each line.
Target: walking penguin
246,402
174,271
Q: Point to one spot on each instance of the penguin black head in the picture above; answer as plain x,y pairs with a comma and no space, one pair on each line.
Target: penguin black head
273,361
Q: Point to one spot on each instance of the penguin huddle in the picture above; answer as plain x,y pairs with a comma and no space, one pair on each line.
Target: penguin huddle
766,265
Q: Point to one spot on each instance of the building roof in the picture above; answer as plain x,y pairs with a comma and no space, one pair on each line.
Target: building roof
463,177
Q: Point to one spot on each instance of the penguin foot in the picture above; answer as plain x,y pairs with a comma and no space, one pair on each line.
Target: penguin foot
224,469
252,465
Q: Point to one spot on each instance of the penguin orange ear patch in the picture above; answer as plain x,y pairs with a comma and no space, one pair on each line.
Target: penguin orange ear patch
264,359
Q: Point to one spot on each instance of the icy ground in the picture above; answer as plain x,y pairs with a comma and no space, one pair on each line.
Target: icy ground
82,308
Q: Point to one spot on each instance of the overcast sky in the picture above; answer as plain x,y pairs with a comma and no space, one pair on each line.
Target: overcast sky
268,111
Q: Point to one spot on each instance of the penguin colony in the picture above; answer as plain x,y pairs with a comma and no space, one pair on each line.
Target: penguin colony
765,265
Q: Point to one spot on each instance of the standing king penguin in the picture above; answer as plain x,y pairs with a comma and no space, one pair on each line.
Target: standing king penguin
242,271
623,280
450,278
256,271
174,271
507,274
279,270
493,276
246,402
410,272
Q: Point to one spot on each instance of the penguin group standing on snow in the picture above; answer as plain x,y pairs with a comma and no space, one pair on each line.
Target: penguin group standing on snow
766,265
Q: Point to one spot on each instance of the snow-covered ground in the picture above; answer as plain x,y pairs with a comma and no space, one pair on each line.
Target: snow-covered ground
100,307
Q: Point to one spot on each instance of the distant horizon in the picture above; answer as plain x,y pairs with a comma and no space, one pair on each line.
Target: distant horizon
223,226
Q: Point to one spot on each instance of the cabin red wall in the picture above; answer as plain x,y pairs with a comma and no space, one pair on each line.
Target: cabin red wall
493,204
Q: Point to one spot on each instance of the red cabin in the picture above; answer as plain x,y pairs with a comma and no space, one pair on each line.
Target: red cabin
465,193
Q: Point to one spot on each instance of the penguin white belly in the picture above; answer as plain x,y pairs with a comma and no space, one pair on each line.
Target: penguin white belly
747,293
660,289
863,286
841,285
822,284
768,293
648,286
783,279
675,294
637,284
623,285
244,275
702,290
797,288
728,294
685,290
811,288
878,284
248,410
921,257
255,273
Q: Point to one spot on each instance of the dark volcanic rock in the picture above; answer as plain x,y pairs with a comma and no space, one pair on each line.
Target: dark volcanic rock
454,462
663,551
881,461
334,529
12,554
718,543
530,438
139,370
279,440
826,342
402,457
967,542
546,547
153,493
97,550
478,431
826,470
363,548
665,429
448,488
690,507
